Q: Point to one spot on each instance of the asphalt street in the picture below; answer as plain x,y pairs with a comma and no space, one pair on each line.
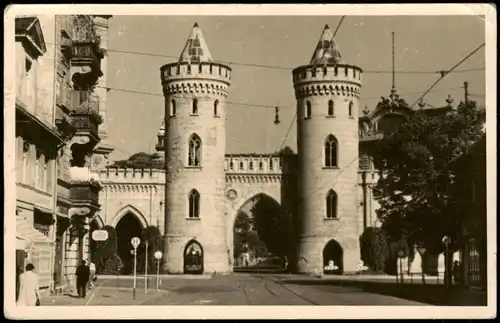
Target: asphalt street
258,289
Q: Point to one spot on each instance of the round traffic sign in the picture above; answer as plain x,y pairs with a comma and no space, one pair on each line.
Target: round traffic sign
158,254
135,242
100,235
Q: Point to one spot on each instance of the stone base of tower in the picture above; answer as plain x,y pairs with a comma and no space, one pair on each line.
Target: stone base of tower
317,252
210,259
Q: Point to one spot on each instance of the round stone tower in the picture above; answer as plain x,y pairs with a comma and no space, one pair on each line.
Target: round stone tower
327,92
195,89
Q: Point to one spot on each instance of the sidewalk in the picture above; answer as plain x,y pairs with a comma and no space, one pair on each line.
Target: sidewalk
152,277
104,296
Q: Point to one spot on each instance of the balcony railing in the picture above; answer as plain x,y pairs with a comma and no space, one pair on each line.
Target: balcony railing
85,193
85,114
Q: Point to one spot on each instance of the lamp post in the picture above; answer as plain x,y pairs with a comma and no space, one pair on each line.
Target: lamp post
446,241
401,255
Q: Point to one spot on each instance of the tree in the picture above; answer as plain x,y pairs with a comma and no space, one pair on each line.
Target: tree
105,256
153,236
273,226
374,249
245,238
416,191
140,161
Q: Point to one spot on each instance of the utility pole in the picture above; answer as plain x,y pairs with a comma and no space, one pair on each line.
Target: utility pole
466,92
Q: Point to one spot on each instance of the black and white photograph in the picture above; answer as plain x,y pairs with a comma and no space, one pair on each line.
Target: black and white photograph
250,161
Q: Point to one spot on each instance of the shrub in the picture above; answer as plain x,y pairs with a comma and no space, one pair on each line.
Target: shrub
374,249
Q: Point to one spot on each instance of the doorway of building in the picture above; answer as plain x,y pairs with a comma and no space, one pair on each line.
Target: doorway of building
193,258
333,258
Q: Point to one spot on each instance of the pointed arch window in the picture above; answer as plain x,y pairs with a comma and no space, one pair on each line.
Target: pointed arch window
172,108
194,204
241,165
351,105
308,111
194,150
331,151
216,106
331,108
331,204
195,107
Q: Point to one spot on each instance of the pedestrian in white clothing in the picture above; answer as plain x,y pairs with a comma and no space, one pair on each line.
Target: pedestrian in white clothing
92,274
29,294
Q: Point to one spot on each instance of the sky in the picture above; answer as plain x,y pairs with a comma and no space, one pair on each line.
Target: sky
422,44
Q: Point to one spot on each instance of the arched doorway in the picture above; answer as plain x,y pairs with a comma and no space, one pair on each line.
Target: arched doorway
128,227
261,235
333,258
193,258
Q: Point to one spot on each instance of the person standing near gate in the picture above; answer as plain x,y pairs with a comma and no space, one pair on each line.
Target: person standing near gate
92,274
82,279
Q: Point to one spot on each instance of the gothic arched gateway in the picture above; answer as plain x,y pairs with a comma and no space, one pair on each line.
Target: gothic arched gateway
193,258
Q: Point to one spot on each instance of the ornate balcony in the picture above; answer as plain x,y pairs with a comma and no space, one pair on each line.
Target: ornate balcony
85,53
85,194
85,116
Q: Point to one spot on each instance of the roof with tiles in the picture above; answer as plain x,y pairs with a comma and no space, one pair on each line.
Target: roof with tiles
196,49
327,51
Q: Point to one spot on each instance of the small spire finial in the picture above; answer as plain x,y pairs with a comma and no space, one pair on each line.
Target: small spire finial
326,26
195,25
366,111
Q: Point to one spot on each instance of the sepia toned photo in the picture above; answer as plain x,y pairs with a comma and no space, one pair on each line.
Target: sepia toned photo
274,161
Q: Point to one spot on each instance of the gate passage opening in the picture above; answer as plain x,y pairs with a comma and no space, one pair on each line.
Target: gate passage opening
261,233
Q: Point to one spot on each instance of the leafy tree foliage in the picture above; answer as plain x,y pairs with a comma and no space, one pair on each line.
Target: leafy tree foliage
417,191
274,226
153,236
140,161
374,249
105,255
245,238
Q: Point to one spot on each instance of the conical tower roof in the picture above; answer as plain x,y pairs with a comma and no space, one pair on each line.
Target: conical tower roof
196,49
327,51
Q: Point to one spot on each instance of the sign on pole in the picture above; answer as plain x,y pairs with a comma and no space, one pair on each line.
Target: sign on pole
100,235
135,243
158,256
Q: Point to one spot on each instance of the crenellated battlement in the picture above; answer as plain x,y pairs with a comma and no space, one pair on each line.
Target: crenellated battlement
371,176
130,175
186,71
259,164
338,80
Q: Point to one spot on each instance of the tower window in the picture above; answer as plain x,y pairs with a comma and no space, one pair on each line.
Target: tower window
216,105
241,165
200,69
331,151
231,165
308,110
261,166
189,68
195,106
194,151
172,108
250,165
331,205
194,204
331,109
350,108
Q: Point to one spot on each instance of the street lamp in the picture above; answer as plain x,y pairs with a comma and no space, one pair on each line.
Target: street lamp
446,241
401,255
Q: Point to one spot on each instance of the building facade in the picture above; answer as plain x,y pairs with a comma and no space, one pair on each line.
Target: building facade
57,119
195,198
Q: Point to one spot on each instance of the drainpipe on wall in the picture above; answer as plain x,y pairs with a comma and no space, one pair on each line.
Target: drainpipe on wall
365,202
54,181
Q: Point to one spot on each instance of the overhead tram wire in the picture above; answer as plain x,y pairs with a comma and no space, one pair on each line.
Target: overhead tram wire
444,73
281,67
